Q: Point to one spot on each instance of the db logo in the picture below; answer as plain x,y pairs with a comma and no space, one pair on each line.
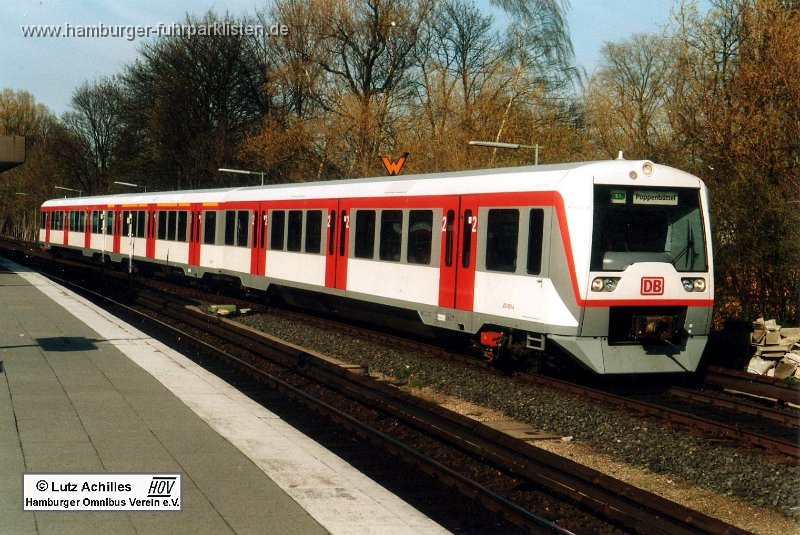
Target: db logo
652,286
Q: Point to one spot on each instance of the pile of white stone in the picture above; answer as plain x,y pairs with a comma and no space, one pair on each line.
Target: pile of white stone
777,350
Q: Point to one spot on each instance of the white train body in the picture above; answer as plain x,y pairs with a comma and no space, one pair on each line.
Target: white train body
611,261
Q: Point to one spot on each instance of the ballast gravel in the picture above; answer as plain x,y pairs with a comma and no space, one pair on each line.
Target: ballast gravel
757,479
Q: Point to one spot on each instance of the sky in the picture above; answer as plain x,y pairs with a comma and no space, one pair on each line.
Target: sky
51,68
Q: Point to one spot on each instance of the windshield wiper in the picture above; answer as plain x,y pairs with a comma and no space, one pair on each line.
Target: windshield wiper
689,250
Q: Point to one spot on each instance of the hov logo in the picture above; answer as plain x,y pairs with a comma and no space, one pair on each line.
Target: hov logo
161,487
652,286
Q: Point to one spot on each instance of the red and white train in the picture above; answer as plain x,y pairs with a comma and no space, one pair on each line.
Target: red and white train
609,262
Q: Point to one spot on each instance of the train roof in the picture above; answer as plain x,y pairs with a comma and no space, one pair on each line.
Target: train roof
508,179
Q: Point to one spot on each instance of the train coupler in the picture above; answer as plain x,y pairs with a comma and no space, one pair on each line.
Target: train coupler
491,342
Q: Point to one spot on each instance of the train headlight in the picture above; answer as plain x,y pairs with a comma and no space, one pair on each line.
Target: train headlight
604,284
694,284
699,285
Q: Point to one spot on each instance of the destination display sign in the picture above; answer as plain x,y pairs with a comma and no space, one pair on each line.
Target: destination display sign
666,198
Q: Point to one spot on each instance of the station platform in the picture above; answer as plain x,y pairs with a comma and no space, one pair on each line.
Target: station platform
83,392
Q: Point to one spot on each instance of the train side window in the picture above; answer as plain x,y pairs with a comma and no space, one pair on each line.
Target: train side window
141,219
110,222
535,239
172,223
210,227
391,235
162,225
243,228
96,222
76,221
365,234
262,232
331,231
230,227
42,220
466,239
420,236
125,225
448,237
502,230
313,231
342,232
294,228
276,232
183,220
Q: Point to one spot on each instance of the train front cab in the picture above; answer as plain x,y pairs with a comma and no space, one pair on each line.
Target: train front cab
649,301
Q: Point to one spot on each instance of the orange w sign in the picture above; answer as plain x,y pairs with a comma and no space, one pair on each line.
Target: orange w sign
394,167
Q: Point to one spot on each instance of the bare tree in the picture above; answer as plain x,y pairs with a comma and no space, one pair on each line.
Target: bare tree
628,98
20,115
190,101
369,47
96,127
542,25
23,188
738,115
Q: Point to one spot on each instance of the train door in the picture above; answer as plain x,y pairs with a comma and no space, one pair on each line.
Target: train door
150,232
337,246
258,258
195,228
87,229
459,241
65,226
449,253
117,230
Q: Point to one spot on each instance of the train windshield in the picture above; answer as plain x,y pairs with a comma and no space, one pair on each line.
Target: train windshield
647,225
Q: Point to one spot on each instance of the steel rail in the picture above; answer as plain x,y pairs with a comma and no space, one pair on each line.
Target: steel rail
757,385
738,405
635,508
665,413
490,499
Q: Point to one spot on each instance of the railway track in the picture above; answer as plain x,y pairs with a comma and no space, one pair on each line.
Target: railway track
505,474
715,426
689,421
610,499
722,383
730,438
781,393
